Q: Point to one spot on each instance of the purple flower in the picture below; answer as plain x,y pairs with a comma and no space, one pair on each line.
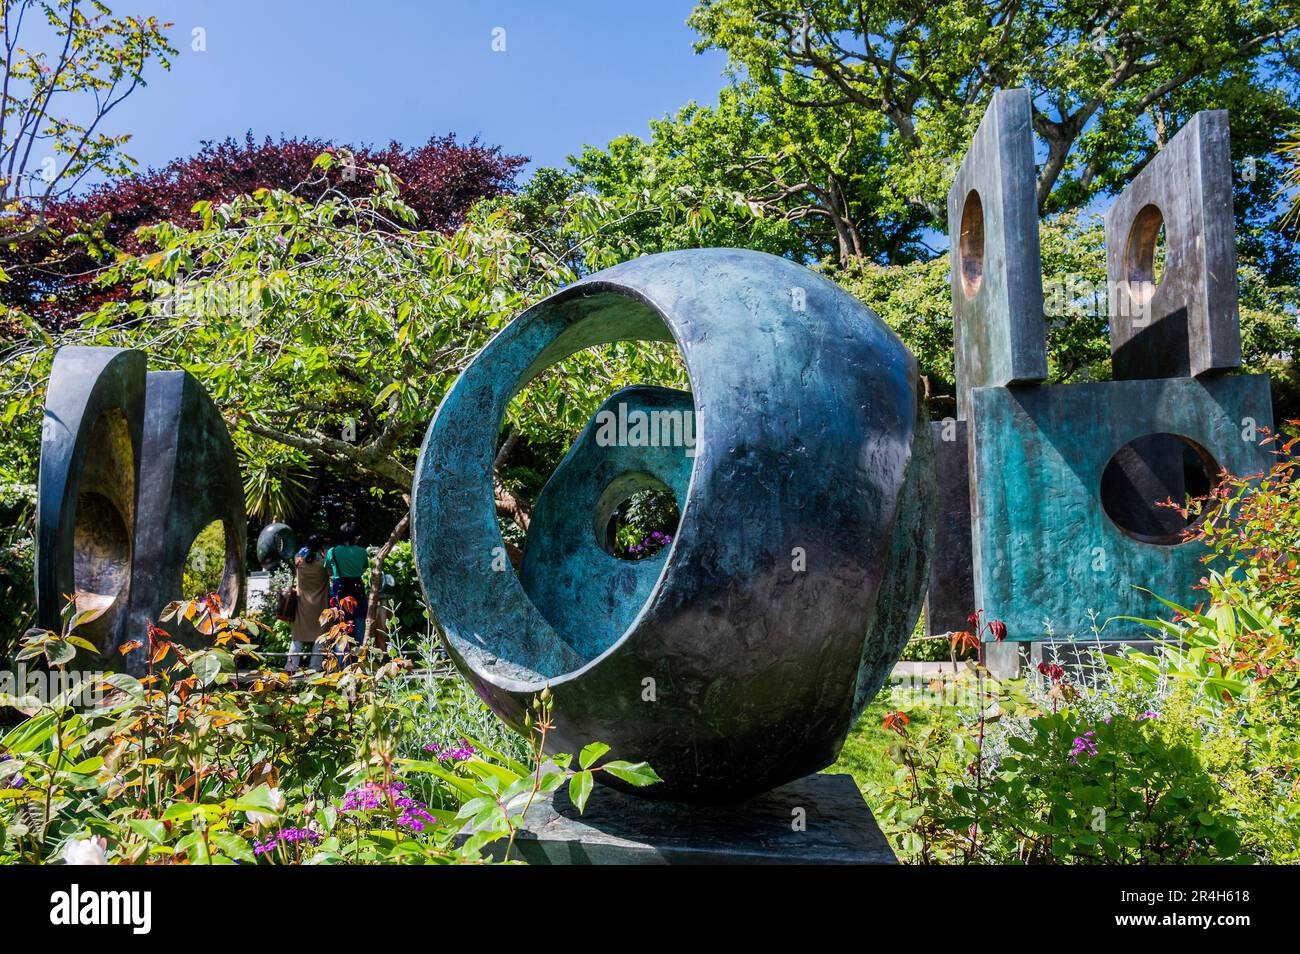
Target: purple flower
286,836
1083,744
456,753
1148,715
370,796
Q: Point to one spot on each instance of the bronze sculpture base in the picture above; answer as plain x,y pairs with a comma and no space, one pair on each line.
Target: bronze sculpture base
819,819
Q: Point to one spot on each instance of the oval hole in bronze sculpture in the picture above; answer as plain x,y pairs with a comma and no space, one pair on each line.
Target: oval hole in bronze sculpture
102,561
1144,254
970,245
208,565
641,499
102,539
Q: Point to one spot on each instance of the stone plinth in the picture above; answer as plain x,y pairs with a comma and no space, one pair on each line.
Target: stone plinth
819,819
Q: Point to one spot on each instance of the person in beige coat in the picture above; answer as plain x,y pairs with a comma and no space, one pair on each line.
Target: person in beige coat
312,581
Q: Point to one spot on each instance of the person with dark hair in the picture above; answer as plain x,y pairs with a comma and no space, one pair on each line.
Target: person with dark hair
312,583
347,563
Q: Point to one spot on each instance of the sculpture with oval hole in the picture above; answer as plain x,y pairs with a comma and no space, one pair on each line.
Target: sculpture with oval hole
86,488
797,571
134,466
189,478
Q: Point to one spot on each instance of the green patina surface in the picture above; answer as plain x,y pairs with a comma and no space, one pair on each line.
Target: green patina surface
1046,552
579,587
797,571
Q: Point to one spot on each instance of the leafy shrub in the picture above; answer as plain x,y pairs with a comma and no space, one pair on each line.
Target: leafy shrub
187,766
1191,754
410,612
17,562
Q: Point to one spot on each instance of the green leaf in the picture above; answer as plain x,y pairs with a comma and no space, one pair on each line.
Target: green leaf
519,768
149,828
639,774
588,756
580,788
59,651
29,735
259,799
234,846
206,667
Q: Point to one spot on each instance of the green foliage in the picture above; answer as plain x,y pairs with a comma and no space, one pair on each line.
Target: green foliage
206,562
410,612
1109,84
645,523
17,561
801,182
190,766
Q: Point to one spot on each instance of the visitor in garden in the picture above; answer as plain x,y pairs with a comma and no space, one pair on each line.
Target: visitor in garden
312,583
346,563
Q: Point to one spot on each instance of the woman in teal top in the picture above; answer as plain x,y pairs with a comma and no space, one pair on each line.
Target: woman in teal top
347,565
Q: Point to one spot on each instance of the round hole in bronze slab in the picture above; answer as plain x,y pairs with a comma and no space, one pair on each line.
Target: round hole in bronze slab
970,245
1146,472
212,566
1144,254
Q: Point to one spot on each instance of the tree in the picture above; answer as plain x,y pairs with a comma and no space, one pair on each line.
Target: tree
55,275
53,107
1110,82
328,330
804,183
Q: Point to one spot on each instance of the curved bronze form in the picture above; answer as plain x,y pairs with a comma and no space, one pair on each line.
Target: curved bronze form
189,477
133,467
803,547
86,490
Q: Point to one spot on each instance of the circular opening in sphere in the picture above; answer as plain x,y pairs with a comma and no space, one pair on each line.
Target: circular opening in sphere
1144,475
638,523
1144,254
970,245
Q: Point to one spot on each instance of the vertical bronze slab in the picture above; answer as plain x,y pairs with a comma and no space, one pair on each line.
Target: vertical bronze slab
997,283
1047,551
950,598
1186,324
189,477
86,496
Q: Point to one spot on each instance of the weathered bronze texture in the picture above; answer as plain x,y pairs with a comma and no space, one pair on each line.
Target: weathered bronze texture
997,282
950,597
1046,549
581,588
86,488
133,467
1186,323
189,478
803,549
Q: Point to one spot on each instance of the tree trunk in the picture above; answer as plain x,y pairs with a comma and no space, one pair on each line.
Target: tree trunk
377,569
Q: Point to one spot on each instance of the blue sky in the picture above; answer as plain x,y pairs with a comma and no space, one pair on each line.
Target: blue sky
573,72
